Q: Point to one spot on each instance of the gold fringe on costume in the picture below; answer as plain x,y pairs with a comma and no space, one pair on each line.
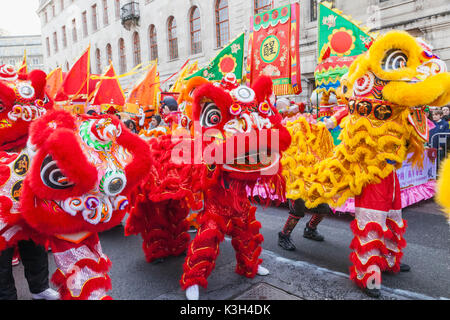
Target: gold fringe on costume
359,160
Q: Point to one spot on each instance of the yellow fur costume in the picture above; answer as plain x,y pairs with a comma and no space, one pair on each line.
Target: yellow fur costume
385,85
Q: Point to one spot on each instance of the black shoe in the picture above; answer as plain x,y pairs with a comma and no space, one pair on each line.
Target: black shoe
285,242
373,293
158,261
312,234
404,267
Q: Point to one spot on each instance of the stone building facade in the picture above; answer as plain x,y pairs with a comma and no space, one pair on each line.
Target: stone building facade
12,49
130,32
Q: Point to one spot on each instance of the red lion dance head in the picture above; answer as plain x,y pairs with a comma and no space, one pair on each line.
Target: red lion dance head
240,128
22,100
82,171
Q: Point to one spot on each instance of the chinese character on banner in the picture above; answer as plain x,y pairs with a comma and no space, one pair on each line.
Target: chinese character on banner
274,49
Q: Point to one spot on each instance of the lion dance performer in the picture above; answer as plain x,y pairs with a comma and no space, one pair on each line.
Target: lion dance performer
388,87
226,120
22,100
81,171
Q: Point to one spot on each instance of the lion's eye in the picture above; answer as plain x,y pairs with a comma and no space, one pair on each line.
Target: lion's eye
26,91
211,115
394,59
52,176
2,106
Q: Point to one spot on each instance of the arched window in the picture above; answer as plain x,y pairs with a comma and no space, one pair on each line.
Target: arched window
195,28
172,36
262,5
153,42
108,54
98,61
222,23
67,66
136,49
122,56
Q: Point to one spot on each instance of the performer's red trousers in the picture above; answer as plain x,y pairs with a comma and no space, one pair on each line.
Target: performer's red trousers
378,230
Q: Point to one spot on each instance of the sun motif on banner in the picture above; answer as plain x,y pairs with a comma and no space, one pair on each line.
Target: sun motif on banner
227,64
342,41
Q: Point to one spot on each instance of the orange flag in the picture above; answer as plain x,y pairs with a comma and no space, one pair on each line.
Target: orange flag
109,91
76,80
54,82
144,93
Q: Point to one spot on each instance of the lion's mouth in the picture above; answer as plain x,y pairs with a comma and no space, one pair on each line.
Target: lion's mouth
252,162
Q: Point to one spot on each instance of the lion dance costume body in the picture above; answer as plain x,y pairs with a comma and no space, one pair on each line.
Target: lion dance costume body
69,182
386,90
224,117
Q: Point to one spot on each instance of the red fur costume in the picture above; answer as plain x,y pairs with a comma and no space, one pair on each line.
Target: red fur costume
237,139
82,169
22,100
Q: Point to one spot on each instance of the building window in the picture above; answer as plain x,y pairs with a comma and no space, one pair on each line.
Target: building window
173,41
61,4
122,56
117,7
47,44
53,11
98,61
84,18
45,17
262,5
195,29
55,41
94,18
108,54
74,31
105,12
153,42
222,23
136,49
313,10
64,36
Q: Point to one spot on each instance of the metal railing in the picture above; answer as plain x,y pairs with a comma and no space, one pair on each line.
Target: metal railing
441,144
130,11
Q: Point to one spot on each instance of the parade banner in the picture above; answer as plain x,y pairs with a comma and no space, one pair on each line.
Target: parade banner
274,49
229,60
339,34
340,39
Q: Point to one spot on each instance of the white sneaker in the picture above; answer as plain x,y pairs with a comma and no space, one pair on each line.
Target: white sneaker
48,294
262,271
192,292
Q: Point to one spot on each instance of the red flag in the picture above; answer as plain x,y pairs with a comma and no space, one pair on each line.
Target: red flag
76,80
109,91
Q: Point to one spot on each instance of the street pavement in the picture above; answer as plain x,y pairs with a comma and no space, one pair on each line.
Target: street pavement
315,271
